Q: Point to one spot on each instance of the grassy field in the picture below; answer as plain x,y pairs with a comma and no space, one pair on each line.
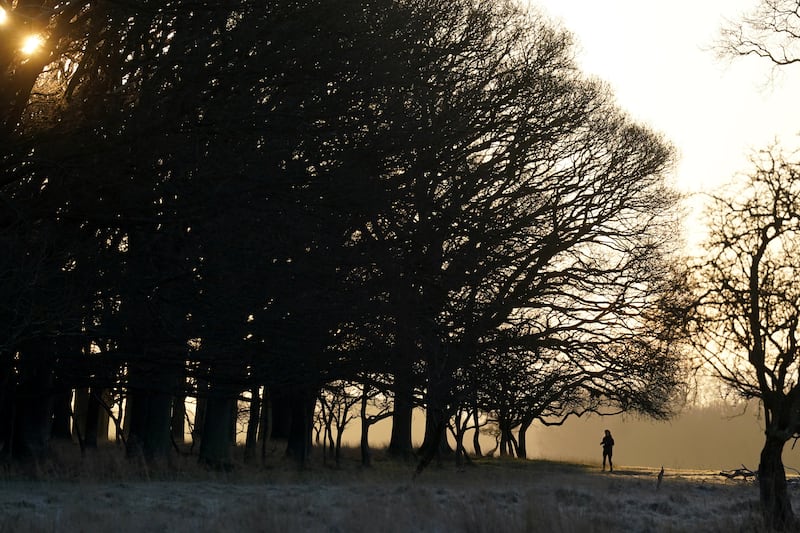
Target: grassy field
105,492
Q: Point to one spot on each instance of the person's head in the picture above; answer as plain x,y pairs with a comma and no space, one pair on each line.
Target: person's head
608,433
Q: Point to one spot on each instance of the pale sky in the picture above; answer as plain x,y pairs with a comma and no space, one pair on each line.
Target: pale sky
655,55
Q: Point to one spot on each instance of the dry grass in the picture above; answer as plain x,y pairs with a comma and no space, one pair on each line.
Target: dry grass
105,492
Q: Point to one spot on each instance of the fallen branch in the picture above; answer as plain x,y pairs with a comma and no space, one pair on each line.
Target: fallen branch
743,472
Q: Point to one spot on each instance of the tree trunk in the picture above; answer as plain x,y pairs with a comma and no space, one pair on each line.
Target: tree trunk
150,417
126,416
476,444
298,446
281,414
61,419
338,453
79,412
522,449
436,441
331,445
92,419
104,419
216,442
233,425
366,454
400,443
265,427
178,422
265,424
461,452
33,406
436,417
435,444
327,443
252,424
775,502
505,444
33,418
96,419
7,394
435,431
508,443
199,417
7,417
513,444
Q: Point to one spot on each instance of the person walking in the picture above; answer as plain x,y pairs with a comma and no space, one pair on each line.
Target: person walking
608,449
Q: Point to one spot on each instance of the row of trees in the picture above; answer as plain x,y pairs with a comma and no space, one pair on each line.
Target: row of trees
420,200
232,199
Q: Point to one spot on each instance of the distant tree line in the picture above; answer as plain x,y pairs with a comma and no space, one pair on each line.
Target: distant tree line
422,201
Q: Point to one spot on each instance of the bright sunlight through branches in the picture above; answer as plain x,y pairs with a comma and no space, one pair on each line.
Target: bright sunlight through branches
31,44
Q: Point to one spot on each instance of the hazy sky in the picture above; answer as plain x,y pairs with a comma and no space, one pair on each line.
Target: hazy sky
655,54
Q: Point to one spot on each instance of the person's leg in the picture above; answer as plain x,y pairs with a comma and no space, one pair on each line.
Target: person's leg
604,461
610,464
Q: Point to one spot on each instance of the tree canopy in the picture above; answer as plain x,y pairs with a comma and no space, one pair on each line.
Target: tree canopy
207,198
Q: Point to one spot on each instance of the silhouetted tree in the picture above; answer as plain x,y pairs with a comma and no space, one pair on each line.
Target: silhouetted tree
216,197
518,388
336,402
747,309
529,198
376,405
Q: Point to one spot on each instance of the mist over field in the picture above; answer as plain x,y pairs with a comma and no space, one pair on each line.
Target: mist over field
713,438
716,437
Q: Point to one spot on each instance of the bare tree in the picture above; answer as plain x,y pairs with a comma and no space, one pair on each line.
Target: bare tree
336,409
376,405
519,387
770,31
745,318
463,421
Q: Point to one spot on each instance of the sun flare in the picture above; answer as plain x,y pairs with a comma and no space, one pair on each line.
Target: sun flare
3,16
31,44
